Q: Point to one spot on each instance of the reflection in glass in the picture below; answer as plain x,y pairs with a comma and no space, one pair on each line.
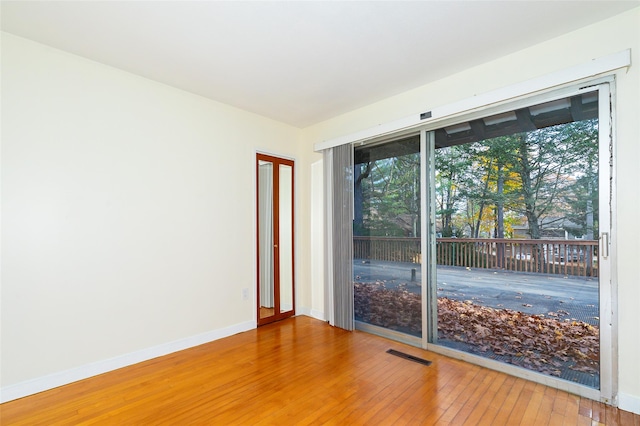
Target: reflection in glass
265,225
386,246
516,218
285,245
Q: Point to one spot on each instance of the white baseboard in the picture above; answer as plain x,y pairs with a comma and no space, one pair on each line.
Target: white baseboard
30,387
317,314
302,310
313,313
628,402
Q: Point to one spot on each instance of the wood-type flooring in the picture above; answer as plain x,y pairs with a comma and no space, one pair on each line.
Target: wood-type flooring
301,371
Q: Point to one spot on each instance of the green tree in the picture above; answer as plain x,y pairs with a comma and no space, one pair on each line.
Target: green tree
582,195
548,161
452,166
390,197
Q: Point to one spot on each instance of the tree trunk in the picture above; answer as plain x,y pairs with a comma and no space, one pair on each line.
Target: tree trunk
527,187
482,202
500,215
358,197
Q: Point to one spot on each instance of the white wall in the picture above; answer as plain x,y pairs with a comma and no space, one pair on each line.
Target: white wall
607,37
128,206
127,216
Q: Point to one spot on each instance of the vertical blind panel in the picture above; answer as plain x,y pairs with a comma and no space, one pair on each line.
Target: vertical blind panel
342,236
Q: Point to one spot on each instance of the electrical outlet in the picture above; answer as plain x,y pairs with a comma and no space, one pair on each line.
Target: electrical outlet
245,294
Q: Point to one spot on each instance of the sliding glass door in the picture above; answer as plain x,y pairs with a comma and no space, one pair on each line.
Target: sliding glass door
509,264
386,242
516,221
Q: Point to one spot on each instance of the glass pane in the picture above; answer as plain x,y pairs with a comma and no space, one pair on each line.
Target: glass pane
516,220
386,243
286,238
265,224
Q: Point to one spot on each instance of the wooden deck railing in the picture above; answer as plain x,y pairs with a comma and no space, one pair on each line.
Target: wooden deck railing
387,248
567,257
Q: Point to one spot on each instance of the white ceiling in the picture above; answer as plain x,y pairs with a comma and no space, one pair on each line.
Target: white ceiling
298,62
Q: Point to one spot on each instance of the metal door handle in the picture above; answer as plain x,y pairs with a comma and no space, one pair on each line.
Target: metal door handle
605,245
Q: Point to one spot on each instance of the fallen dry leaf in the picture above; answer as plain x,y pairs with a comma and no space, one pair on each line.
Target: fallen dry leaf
532,341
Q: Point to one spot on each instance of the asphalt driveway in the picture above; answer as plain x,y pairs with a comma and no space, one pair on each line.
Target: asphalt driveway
573,298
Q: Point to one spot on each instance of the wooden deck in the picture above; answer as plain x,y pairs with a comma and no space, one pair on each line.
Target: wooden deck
301,371
554,256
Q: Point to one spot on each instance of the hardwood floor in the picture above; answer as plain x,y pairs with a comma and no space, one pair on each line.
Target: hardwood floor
301,371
